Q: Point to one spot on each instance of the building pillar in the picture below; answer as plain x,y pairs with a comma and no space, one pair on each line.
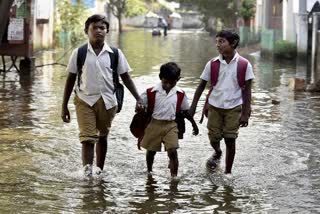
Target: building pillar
302,33
315,44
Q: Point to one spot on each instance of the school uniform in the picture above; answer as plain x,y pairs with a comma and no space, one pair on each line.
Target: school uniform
163,128
95,100
225,100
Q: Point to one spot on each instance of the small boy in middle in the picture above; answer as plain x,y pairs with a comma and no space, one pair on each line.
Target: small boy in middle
163,101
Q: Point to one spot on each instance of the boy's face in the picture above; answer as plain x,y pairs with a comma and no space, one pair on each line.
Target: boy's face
97,32
167,85
223,46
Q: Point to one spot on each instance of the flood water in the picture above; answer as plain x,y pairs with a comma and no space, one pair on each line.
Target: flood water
277,164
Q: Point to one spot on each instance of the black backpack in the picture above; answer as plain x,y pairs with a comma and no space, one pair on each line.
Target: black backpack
118,87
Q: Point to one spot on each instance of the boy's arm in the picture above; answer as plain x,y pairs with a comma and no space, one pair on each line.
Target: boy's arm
246,106
126,78
71,79
187,115
196,97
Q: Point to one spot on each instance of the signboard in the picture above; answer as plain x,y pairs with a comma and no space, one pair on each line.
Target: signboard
16,30
18,39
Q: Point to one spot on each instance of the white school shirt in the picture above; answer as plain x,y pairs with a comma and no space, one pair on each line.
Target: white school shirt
165,104
226,94
96,77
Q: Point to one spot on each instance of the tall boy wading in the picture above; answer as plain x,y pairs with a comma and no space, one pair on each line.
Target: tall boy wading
229,102
95,100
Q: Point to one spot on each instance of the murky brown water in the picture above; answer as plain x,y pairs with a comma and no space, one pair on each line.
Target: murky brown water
277,167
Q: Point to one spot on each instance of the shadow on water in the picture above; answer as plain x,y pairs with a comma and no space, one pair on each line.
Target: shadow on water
276,167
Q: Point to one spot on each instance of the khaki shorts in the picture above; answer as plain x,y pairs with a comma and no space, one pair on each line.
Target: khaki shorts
223,123
160,131
93,121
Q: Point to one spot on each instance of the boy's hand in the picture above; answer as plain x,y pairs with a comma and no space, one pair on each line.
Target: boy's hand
195,131
244,120
139,142
139,106
65,115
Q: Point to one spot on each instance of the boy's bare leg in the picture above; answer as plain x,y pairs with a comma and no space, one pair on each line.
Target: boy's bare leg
101,151
150,158
230,153
217,150
87,153
174,162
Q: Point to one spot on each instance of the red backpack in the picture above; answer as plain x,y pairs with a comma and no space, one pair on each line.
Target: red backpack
215,67
141,120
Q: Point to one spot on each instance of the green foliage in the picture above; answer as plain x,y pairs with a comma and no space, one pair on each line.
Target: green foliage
127,7
224,11
135,8
285,49
247,9
121,8
70,19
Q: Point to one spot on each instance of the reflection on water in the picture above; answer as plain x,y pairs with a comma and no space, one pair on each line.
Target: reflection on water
277,168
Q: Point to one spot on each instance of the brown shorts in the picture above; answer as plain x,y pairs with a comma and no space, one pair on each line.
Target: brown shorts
93,121
160,131
223,123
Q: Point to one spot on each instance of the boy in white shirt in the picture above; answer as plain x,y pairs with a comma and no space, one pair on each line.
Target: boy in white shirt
95,100
162,127
229,97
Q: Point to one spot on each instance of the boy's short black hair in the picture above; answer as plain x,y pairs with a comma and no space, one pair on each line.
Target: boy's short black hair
170,71
96,18
230,35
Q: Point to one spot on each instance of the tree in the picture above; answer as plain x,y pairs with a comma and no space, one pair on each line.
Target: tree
127,8
247,10
225,11
70,20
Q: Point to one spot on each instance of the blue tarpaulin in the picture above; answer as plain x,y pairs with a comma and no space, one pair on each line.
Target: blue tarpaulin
86,3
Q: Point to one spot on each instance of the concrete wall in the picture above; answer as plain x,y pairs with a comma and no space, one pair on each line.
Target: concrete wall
191,20
188,20
137,21
288,21
43,24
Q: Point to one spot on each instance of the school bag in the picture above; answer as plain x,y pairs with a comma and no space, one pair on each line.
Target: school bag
141,120
241,76
118,87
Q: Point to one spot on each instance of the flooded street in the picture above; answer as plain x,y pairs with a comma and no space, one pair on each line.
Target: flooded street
277,164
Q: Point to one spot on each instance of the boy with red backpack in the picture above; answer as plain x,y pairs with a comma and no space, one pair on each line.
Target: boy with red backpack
163,102
229,100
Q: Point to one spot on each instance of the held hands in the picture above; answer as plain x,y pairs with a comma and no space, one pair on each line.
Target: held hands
65,115
139,105
195,131
188,116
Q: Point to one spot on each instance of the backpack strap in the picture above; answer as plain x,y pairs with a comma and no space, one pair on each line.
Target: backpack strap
81,58
151,95
180,96
114,58
215,67
241,71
